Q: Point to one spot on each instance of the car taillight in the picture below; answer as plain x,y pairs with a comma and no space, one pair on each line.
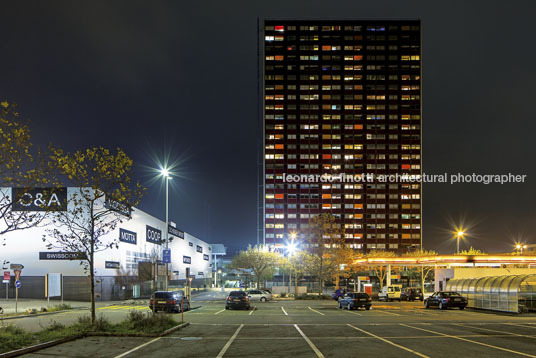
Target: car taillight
447,299
369,299
172,302
228,298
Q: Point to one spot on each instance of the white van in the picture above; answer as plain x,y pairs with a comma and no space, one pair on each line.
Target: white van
390,293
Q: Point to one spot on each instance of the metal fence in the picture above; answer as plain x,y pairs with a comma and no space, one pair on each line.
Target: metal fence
512,293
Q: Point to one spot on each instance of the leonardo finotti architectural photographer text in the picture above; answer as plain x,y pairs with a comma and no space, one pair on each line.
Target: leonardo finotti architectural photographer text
406,178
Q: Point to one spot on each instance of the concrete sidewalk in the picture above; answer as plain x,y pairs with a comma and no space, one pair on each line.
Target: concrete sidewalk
28,303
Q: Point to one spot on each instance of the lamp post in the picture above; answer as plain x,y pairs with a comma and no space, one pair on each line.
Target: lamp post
165,173
458,236
291,247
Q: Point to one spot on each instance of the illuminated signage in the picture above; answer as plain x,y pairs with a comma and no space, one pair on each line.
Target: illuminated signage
153,235
39,199
128,236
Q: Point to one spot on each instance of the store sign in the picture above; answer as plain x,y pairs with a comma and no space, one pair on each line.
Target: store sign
128,236
205,257
199,248
117,207
175,232
186,259
153,235
39,199
59,256
112,265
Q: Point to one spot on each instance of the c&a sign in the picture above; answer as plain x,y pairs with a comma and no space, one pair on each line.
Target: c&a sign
39,199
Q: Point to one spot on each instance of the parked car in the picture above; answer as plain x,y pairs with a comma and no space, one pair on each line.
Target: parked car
338,294
411,294
170,301
259,295
444,300
390,293
355,300
237,299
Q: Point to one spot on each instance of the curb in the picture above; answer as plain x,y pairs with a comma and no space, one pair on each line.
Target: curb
41,314
44,345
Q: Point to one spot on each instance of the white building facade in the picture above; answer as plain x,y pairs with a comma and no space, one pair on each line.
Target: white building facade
139,238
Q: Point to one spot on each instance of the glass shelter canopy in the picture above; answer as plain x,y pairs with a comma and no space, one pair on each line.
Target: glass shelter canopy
513,293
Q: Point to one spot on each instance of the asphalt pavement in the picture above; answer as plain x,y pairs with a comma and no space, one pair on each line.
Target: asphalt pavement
319,329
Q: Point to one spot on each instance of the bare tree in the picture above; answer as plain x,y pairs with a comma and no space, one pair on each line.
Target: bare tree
22,168
102,198
324,238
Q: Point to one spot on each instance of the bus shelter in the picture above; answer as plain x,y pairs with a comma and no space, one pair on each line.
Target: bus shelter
511,293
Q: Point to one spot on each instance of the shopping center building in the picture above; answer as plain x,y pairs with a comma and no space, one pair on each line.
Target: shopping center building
139,239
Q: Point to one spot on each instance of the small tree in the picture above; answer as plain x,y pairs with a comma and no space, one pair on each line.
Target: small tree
424,269
472,252
102,195
323,238
20,167
380,270
260,262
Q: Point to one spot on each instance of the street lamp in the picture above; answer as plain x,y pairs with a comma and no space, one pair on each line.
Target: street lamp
520,248
291,248
166,175
458,236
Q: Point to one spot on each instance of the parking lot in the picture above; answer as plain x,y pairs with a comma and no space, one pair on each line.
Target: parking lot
319,329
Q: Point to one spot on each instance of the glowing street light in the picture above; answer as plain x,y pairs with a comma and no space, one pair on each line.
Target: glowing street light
291,249
520,248
164,172
459,235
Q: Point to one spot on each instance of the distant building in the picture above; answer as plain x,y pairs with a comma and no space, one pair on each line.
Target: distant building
139,239
343,99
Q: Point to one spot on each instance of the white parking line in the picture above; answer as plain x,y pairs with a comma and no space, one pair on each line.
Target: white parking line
493,330
138,347
316,311
389,342
285,312
520,325
252,310
391,313
349,311
311,344
229,342
220,311
470,341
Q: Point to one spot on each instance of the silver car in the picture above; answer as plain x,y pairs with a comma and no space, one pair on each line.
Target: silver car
258,295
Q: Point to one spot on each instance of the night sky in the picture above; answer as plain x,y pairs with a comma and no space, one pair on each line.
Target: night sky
178,79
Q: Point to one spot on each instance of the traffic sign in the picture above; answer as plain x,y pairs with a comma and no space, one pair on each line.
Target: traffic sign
17,274
190,279
17,284
166,256
16,266
7,275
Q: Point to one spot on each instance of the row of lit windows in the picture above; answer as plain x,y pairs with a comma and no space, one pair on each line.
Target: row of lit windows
358,28
331,87
346,127
335,58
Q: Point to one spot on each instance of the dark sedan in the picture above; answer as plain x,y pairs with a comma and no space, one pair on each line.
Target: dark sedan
444,300
411,294
355,300
237,299
171,301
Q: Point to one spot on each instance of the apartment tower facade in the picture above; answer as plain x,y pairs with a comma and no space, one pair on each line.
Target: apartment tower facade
342,117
